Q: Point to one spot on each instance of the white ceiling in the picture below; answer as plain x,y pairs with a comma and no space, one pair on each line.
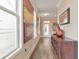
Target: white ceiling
46,6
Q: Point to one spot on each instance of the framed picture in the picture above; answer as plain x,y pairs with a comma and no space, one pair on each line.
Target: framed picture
64,18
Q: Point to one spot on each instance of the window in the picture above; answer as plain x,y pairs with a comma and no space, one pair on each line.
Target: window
9,28
8,4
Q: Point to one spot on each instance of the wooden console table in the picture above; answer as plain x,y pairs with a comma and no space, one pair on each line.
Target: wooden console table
65,48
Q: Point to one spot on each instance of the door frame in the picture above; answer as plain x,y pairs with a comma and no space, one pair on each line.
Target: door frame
45,22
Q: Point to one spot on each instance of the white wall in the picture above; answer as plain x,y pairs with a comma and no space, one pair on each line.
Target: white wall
71,30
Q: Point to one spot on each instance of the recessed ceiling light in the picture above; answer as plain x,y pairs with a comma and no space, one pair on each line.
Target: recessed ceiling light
46,14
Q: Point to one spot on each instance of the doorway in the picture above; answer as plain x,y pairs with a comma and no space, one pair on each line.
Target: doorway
46,29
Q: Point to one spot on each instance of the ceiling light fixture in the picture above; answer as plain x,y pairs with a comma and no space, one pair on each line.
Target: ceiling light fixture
46,14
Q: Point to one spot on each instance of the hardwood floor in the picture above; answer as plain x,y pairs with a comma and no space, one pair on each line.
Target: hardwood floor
44,50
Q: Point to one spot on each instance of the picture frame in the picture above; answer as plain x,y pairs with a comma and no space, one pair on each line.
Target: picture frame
64,18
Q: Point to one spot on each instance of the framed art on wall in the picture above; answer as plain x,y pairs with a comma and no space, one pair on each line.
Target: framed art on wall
64,18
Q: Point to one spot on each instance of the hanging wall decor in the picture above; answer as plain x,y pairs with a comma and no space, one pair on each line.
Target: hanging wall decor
64,18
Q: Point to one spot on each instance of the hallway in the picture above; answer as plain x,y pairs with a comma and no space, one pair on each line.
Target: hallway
39,29
44,50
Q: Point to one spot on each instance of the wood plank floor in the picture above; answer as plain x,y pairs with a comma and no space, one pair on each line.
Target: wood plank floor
44,50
